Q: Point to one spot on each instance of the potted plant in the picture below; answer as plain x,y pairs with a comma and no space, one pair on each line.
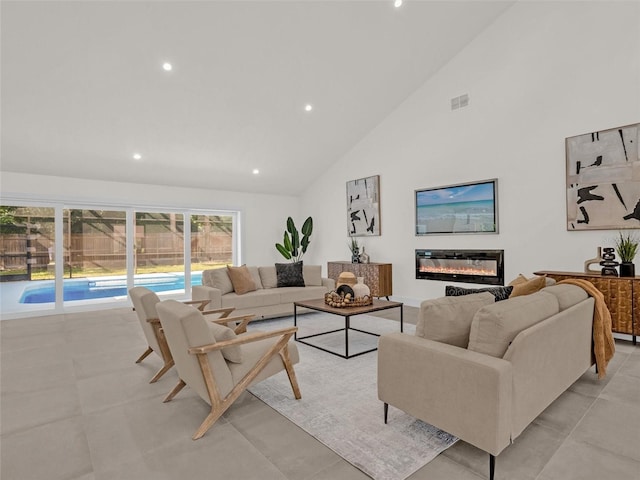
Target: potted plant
626,248
292,247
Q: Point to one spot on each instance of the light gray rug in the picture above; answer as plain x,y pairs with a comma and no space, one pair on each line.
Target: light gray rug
340,405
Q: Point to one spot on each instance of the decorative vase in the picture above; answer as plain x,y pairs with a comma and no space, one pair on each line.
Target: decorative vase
364,257
360,289
355,255
593,261
627,269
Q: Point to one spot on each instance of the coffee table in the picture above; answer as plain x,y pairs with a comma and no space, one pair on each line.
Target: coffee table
347,313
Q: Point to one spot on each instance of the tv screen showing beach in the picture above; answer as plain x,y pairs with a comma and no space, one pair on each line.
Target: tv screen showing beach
467,208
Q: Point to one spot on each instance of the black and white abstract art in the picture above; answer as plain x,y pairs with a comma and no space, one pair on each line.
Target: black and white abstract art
603,179
363,207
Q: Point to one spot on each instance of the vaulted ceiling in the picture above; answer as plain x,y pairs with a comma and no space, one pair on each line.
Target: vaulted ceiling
84,89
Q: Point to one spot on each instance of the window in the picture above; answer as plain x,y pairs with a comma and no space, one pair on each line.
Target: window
27,261
212,241
101,252
159,251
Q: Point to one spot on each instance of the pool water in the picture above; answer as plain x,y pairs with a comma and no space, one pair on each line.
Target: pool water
104,287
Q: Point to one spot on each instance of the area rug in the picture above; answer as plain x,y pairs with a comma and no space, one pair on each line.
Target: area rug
340,405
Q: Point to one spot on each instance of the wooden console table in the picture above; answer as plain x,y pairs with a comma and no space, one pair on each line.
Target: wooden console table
377,276
621,294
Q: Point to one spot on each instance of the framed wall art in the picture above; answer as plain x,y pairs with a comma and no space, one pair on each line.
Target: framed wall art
463,208
363,207
603,179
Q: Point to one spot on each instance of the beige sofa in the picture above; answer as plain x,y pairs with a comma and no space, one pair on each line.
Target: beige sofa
484,370
268,300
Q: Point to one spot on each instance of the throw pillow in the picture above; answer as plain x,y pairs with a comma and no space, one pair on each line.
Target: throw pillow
241,279
222,333
217,278
312,275
268,277
448,319
256,277
290,274
524,286
501,293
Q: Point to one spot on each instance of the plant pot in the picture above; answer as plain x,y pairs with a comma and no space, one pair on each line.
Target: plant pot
627,269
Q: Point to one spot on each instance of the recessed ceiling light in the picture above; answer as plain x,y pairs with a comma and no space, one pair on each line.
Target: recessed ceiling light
137,156
167,67
256,171
397,3
308,107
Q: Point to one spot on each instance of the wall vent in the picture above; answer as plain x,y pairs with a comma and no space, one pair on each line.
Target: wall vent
460,102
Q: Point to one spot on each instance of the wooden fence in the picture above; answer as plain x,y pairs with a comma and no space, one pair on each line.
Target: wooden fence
109,251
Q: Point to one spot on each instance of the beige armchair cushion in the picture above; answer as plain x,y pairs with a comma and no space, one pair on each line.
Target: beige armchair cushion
448,319
222,333
217,278
495,326
185,327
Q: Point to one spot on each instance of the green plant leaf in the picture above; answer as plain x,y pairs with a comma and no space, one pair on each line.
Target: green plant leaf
626,246
287,242
285,253
307,227
295,242
305,243
291,227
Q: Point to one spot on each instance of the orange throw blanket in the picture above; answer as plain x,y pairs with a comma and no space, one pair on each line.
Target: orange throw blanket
603,344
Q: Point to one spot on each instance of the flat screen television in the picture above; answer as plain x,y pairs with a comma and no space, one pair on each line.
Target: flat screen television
462,208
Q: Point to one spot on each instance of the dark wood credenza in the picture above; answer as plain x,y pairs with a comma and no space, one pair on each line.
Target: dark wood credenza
621,294
377,276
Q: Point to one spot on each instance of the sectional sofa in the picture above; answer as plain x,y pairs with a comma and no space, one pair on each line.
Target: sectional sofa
267,300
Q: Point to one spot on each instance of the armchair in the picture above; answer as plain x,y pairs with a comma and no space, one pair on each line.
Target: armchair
218,364
144,303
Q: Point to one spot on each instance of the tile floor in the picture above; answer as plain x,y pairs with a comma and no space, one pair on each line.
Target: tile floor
74,406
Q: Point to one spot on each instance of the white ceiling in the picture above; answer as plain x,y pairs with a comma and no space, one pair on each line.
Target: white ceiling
83,86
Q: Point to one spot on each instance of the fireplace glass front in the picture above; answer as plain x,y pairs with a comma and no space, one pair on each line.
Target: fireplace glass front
468,266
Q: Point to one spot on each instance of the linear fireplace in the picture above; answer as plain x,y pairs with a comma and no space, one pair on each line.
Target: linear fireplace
468,266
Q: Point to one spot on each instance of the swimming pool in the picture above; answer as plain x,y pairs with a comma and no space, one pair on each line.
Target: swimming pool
105,287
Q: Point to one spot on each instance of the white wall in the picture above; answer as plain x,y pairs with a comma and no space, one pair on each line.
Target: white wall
543,72
263,217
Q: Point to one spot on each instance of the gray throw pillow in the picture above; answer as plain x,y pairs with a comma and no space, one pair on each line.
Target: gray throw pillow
501,293
290,274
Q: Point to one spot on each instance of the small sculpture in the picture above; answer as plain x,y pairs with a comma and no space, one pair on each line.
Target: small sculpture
608,263
593,261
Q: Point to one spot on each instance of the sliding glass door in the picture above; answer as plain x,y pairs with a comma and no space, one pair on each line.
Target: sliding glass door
159,251
212,243
27,258
102,252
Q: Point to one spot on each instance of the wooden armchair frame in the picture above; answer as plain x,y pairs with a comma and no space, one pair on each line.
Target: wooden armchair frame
219,404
